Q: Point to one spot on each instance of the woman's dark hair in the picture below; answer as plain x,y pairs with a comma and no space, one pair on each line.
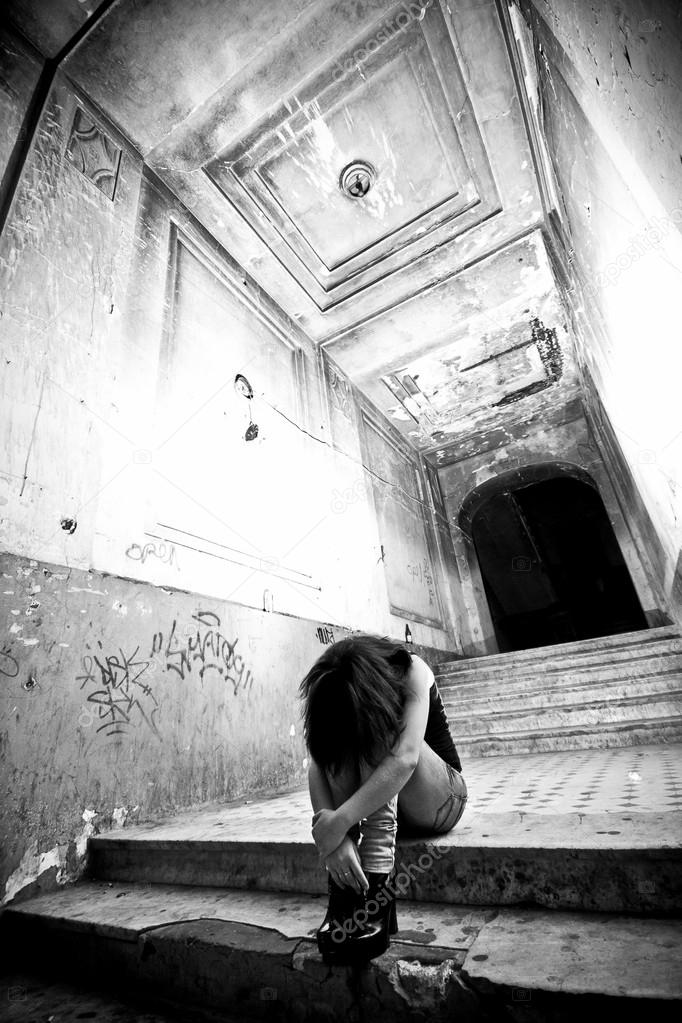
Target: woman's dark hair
354,695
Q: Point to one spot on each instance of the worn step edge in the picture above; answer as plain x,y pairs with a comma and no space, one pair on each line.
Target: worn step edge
566,666
563,740
640,636
657,707
605,874
564,954
672,724
586,692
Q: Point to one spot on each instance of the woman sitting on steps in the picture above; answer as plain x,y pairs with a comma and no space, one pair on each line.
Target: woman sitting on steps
381,755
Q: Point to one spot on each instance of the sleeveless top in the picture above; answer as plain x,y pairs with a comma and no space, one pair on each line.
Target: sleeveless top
437,734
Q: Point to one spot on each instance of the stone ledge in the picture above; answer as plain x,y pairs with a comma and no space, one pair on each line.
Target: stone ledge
472,966
595,862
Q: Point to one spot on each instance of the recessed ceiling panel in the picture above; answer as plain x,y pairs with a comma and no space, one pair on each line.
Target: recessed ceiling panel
408,117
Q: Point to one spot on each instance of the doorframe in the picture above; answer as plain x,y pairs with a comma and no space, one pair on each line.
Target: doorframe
536,472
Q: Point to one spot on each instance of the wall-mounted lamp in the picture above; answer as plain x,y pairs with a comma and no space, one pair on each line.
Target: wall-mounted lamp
243,387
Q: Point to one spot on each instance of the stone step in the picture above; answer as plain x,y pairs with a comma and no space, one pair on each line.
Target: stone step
545,654
580,693
650,710
255,952
600,736
551,685
616,863
626,659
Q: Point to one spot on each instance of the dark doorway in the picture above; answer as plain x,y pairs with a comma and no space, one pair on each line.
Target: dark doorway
551,565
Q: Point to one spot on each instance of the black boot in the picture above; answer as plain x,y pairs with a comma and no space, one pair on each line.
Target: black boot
333,937
382,918
368,932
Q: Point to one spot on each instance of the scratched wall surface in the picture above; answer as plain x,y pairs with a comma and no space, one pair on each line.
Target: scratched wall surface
123,701
125,694
408,545
125,435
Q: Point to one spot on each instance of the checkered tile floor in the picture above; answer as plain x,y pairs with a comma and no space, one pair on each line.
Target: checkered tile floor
641,779
646,779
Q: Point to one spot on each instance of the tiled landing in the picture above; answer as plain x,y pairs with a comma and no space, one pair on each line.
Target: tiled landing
647,779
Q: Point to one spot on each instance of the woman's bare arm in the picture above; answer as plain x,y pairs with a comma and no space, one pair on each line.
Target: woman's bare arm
320,793
395,769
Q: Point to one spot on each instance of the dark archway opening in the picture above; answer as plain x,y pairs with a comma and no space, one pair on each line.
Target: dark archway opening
551,565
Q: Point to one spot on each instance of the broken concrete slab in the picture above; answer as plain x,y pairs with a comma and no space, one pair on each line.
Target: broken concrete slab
590,954
240,950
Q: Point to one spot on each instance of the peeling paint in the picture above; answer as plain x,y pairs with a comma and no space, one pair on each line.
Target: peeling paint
32,865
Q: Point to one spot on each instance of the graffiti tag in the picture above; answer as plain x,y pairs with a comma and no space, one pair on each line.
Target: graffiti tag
206,648
421,573
162,551
118,692
325,635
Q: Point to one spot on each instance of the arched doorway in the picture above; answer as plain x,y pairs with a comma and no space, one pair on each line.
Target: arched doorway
551,566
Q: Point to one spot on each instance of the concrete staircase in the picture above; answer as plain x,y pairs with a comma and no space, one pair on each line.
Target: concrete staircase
618,690
511,916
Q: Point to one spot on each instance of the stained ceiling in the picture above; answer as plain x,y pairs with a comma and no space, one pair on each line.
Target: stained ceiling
432,288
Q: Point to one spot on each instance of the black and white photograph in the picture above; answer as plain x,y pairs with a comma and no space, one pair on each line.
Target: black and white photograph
341,511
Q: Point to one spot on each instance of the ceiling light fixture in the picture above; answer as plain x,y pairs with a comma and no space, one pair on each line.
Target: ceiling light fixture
356,179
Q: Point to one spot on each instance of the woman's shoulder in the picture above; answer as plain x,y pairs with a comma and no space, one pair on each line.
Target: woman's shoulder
419,677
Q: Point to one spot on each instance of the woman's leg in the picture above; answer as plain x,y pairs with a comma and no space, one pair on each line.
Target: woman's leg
434,797
376,834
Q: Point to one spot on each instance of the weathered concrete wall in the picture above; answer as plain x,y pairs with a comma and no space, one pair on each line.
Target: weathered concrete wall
128,486
612,97
123,426
564,437
124,701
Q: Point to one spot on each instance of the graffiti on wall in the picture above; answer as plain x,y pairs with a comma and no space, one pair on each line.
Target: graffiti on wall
164,552
324,634
203,648
421,574
118,694
119,690
9,666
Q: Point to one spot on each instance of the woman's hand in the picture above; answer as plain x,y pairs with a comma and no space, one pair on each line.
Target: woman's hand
329,830
345,867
